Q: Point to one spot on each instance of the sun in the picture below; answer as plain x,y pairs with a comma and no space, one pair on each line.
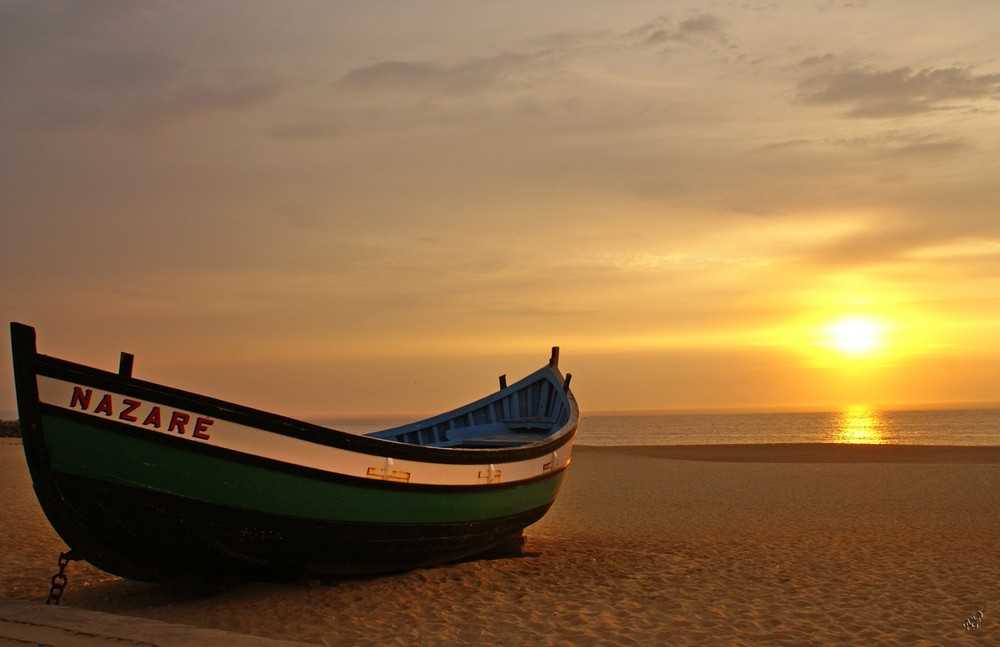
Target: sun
856,335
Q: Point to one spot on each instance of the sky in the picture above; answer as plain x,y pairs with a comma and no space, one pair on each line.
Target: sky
378,207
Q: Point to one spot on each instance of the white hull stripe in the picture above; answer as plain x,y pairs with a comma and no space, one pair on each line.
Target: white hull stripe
209,430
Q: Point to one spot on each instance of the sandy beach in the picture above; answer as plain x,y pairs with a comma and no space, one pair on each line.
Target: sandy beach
709,545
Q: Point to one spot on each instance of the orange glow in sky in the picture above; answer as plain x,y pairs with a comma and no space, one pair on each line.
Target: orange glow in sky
333,209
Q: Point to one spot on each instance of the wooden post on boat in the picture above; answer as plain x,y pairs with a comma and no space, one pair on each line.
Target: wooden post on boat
554,360
125,364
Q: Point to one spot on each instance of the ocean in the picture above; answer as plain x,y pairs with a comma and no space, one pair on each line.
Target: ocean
856,424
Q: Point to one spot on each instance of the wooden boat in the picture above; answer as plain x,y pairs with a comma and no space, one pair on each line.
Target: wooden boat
154,483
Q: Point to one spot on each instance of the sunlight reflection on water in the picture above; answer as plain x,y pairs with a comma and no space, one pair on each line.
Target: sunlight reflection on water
861,424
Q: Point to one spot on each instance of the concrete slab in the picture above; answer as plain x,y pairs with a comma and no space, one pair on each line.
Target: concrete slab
24,623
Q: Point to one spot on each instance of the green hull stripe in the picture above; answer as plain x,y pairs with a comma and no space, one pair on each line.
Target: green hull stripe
90,452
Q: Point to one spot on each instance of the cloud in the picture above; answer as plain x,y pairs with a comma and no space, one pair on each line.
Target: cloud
927,222
107,66
930,148
703,28
814,61
569,87
141,96
910,145
898,92
467,77
878,244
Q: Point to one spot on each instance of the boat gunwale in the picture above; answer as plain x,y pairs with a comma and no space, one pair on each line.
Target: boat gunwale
295,469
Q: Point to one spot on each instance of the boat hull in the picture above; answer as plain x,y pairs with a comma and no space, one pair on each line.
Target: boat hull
182,539
238,493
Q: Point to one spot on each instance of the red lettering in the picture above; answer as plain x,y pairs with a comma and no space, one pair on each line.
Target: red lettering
104,406
81,397
130,406
200,426
153,417
177,421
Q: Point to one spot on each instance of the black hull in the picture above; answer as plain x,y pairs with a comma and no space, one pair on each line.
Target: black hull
182,540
